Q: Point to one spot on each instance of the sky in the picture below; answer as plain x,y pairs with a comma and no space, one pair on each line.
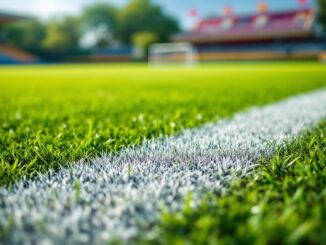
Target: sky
179,8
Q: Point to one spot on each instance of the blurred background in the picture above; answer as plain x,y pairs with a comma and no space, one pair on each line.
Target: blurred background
38,31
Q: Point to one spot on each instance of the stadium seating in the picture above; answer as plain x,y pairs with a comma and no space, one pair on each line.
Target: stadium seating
280,35
322,57
262,26
12,55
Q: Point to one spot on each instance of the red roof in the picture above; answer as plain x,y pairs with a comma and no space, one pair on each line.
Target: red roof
264,26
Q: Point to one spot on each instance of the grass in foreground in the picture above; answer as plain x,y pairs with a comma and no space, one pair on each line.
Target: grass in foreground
283,202
54,115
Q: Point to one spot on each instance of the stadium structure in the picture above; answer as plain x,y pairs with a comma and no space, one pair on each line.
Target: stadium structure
266,35
10,54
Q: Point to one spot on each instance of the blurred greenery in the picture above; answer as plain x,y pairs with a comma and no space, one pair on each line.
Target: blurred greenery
62,36
54,115
27,34
282,202
108,24
322,12
142,41
143,15
102,17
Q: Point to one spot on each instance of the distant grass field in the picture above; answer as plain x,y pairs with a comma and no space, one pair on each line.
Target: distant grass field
54,115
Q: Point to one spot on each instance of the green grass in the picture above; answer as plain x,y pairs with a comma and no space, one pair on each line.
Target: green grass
54,115
282,202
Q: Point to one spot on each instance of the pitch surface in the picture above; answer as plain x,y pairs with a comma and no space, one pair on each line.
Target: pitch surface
121,194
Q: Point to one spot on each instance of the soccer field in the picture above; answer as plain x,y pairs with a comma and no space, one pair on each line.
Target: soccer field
85,118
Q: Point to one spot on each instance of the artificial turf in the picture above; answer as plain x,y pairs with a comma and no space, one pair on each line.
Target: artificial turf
281,202
54,115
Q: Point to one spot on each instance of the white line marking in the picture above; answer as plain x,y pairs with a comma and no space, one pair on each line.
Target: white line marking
119,195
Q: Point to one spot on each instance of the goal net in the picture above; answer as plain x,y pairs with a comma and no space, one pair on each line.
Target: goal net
173,53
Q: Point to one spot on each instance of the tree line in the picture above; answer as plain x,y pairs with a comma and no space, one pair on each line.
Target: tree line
322,12
139,23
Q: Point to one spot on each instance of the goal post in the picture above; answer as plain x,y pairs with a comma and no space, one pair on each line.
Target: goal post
173,53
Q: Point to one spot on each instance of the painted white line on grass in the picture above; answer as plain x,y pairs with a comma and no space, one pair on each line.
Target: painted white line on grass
119,195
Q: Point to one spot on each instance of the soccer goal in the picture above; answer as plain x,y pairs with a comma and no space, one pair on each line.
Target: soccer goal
173,53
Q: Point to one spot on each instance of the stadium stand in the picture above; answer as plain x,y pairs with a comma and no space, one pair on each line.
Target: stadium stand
12,55
8,53
322,57
263,36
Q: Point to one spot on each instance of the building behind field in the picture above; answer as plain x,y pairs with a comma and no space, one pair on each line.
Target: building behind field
286,35
10,54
